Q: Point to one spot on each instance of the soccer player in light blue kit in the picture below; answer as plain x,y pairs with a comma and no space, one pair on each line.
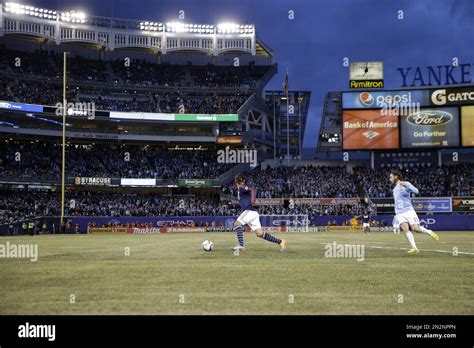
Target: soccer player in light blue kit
406,217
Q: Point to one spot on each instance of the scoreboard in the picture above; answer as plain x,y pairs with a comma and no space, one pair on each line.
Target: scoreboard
407,119
467,125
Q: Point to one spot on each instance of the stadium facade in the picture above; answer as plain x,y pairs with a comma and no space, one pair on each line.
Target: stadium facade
32,30
140,95
151,106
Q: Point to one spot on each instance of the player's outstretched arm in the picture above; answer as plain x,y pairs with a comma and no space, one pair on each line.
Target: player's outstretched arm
410,187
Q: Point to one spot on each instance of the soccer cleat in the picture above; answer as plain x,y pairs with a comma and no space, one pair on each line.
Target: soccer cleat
239,248
282,245
413,251
434,236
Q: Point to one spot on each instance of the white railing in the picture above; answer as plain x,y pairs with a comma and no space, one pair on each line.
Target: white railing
117,37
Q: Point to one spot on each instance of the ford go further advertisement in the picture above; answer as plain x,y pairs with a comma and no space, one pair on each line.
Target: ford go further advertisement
430,128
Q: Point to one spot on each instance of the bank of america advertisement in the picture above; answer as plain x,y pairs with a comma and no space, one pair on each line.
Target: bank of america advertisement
467,120
430,127
370,129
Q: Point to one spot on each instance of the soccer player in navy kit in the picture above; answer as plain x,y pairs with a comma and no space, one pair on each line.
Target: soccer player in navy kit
406,218
366,222
250,217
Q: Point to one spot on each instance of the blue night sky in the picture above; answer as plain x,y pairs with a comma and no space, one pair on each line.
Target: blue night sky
312,45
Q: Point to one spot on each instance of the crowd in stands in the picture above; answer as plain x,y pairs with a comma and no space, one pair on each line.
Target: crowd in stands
18,206
313,210
130,73
43,160
449,180
15,207
36,159
301,182
337,182
48,93
36,78
29,160
107,204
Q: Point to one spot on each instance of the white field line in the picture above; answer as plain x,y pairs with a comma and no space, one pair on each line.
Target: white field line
395,248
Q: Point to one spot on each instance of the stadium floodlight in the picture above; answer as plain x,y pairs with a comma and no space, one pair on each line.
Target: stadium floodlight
16,8
150,26
176,27
74,17
226,28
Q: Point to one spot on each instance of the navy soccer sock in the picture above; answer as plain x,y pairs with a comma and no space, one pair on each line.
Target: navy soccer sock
270,238
240,234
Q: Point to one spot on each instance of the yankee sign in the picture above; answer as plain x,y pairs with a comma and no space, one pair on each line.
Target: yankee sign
435,75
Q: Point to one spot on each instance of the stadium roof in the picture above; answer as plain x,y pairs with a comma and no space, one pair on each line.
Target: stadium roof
114,33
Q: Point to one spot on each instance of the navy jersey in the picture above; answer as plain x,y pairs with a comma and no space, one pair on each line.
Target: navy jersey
246,196
365,218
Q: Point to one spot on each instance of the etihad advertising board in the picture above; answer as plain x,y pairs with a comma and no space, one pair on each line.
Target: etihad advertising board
430,127
467,120
370,129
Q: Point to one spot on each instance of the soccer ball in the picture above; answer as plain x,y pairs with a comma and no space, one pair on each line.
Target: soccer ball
207,245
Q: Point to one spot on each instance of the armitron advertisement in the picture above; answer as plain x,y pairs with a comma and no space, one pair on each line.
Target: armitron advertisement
435,127
467,125
370,130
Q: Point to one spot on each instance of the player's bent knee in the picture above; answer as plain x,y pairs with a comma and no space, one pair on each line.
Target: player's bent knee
259,232
405,227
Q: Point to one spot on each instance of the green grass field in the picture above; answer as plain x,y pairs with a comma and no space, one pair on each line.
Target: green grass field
163,271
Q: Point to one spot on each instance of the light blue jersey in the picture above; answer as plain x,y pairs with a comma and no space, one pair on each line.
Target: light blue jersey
401,195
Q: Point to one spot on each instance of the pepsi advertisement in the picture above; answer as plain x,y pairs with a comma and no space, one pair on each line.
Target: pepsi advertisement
386,99
430,127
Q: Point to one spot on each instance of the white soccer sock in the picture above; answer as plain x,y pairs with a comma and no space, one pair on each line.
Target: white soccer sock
425,230
410,238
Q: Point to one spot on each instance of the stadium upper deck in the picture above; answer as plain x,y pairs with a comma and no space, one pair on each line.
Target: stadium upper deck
114,34
136,77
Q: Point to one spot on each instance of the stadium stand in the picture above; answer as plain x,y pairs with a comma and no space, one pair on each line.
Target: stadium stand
301,182
43,160
318,182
